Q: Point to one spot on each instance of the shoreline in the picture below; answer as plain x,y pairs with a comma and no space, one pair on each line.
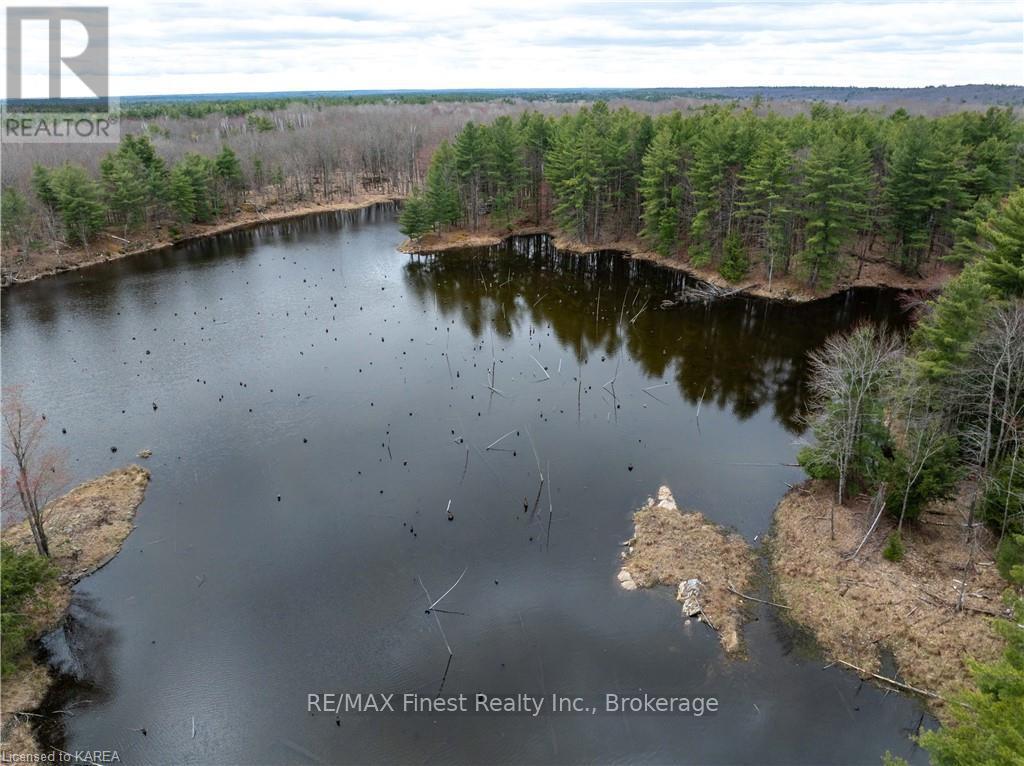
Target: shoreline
87,528
247,219
860,608
787,288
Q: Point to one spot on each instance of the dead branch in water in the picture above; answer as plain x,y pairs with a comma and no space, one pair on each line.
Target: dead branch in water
752,598
496,441
547,376
894,682
641,311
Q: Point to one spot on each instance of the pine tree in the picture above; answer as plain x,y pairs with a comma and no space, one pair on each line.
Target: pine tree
945,337
227,171
15,218
504,168
199,173
661,190
414,220
125,189
79,202
572,169
1002,266
536,134
768,184
442,189
835,184
923,189
469,160
42,185
181,194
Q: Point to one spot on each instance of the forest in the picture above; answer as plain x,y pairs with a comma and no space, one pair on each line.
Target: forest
939,416
733,188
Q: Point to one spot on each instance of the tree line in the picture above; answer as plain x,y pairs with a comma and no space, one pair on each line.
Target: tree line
734,188
135,186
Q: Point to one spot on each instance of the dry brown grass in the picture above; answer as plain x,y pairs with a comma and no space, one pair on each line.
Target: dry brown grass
671,546
87,525
86,528
857,607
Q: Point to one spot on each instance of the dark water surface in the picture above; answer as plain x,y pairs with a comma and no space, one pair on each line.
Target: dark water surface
312,361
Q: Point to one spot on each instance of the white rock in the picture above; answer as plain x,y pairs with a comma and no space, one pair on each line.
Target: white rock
665,499
626,579
688,593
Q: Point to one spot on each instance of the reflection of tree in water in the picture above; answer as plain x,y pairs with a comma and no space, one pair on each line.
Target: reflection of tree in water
79,654
740,353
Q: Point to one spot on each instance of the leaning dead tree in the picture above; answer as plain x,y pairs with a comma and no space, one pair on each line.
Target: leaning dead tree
33,474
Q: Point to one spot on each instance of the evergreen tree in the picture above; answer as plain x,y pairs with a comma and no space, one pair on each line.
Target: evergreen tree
199,174
1003,245
414,220
504,168
922,190
125,188
442,188
536,135
227,172
42,185
835,184
735,261
78,202
945,337
661,188
768,185
181,194
15,218
469,163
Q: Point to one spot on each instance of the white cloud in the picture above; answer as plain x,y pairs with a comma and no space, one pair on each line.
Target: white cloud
192,47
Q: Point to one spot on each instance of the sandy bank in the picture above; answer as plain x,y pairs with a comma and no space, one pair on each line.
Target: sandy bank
107,247
674,548
857,607
874,272
86,529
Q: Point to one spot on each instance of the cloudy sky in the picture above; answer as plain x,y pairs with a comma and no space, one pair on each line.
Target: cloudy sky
197,46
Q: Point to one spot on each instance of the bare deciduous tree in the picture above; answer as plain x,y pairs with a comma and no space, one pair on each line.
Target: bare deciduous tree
990,394
36,473
846,379
919,429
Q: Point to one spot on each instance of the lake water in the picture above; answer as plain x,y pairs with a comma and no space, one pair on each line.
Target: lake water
320,398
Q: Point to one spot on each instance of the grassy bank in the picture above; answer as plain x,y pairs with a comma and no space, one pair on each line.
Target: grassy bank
859,606
86,529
